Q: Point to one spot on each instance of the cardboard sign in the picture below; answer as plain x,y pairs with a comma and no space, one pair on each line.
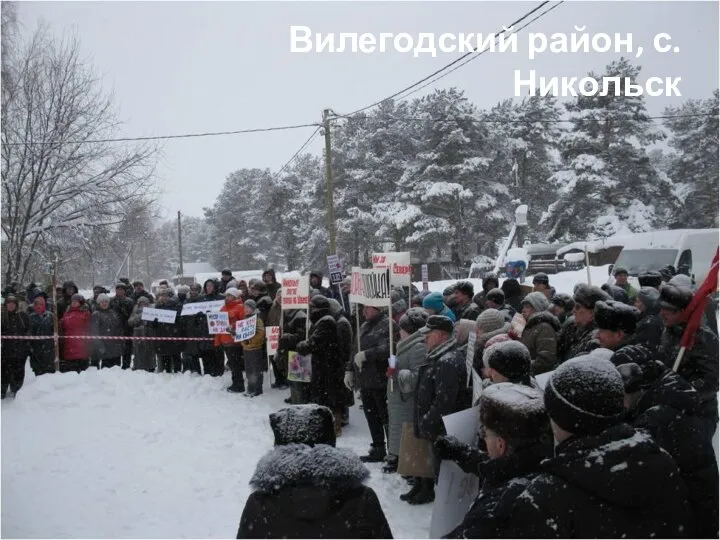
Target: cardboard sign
370,287
424,270
272,338
246,328
202,307
295,292
218,322
299,367
399,265
166,316
335,269
472,338
456,490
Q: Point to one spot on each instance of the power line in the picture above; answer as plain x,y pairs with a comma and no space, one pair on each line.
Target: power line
567,121
296,154
164,137
433,74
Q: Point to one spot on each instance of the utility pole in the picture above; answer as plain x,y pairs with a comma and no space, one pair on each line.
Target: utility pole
180,243
147,261
328,177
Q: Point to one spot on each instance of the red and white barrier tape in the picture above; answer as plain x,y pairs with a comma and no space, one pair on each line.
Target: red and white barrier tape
123,338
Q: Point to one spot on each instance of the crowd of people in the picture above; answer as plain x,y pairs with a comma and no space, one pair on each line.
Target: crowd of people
617,444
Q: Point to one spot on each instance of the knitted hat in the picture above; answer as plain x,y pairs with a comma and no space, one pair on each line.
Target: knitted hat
563,300
303,424
587,295
675,298
615,316
496,295
585,395
102,298
649,297
509,358
144,300
232,291
514,411
490,320
434,301
413,320
537,300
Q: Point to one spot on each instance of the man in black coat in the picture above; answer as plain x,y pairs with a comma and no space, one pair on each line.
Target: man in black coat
666,405
616,324
368,372
14,352
606,480
345,344
307,488
464,307
63,302
650,326
139,290
575,338
316,284
194,326
123,306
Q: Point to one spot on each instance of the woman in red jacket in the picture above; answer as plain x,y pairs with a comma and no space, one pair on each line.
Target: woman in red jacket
75,322
226,342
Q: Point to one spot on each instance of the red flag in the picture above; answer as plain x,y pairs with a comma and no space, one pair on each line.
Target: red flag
694,312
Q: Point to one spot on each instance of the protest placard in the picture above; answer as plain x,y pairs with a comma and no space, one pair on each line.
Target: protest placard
166,316
370,287
470,356
218,322
335,268
272,337
424,270
246,328
295,292
299,367
201,307
455,490
399,265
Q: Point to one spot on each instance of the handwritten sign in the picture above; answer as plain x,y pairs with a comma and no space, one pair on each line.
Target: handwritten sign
335,268
218,322
472,338
295,292
399,265
456,490
272,337
299,367
246,328
202,307
166,316
370,287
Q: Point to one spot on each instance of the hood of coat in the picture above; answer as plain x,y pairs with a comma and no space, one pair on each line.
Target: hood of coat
610,467
270,272
409,342
543,317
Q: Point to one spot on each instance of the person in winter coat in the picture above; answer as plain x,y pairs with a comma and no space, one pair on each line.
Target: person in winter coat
650,326
326,387
661,402
194,326
63,303
13,352
294,330
316,283
123,306
42,355
106,323
368,371
699,365
541,283
258,293
254,353
513,293
410,355
271,283
650,279
495,299
434,304
139,290
441,390
540,333
465,308
236,312
227,281
345,350
621,280
168,352
144,351
606,480
76,322
273,319
562,305
576,339
516,432
489,282
307,488
213,358
508,362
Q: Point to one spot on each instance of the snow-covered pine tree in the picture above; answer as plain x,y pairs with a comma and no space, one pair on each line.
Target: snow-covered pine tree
608,184
694,167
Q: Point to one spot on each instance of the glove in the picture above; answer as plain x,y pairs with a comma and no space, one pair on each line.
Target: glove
349,380
360,359
447,447
391,372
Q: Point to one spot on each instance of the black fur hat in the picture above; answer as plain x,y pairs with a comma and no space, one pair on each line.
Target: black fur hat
303,424
514,411
587,295
466,288
675,298
650,279
614,316
496,295
616,293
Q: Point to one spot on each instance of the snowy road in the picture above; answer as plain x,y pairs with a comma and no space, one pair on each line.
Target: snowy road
118,454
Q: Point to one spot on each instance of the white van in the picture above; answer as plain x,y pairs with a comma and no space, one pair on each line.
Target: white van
643,252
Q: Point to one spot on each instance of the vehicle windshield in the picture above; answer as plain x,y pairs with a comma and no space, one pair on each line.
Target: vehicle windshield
639,261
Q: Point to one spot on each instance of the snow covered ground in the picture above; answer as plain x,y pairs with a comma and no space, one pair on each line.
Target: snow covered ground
121,454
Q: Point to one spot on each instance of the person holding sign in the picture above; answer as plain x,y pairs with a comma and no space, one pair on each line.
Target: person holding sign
254,355
234,351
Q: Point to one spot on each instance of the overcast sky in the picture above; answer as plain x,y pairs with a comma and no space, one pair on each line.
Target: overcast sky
178,67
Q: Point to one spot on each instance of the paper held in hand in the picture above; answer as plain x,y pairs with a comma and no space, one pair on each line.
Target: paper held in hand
202,307
166,316
218,322
246,328
272,337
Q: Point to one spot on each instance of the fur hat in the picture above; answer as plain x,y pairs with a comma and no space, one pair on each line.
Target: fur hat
102,298
563,300
513,411
12,298
585,395
632,354
488,279
537,300
509,358
144,300
232,291
413,320
250,307
616,293
541,278
496,295
448,290
614,316
674,297
138,283
320,302
399,307
490,320
649,297
650,279
587,295
437,322
303,424
466,288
